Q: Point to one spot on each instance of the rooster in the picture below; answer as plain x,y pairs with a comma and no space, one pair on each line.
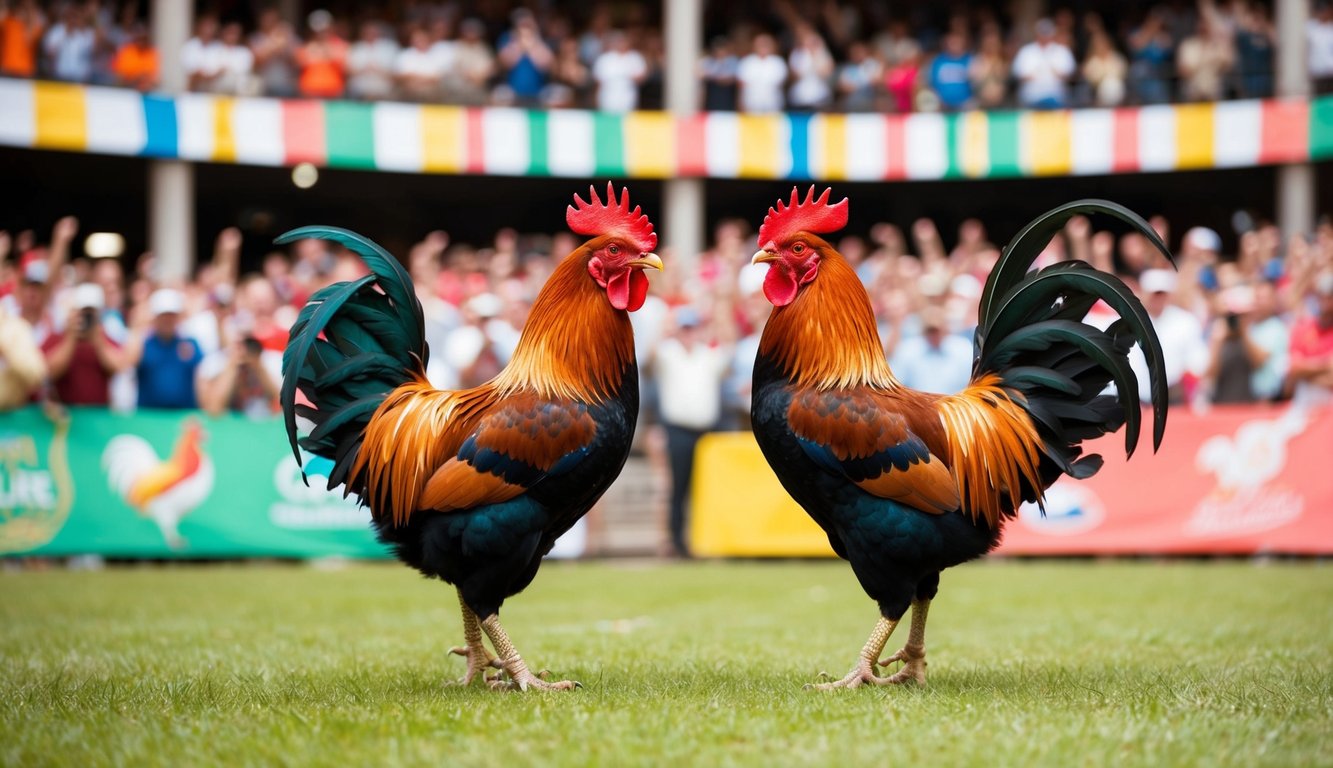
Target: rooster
164,491
907,483
474,486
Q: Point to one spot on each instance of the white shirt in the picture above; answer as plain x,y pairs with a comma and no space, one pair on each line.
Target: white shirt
689,383
1043,70
1183,349
200,58
71,52
418,63
1319,38
761,80
370,66
617,75
811,87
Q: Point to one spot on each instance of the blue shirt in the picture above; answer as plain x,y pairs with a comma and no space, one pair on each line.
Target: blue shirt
526,78
950,81
944,370
166,372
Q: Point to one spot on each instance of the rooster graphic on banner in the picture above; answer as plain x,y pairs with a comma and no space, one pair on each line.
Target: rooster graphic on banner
164,490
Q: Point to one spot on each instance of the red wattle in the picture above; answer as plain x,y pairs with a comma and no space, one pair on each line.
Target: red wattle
627,289
779,285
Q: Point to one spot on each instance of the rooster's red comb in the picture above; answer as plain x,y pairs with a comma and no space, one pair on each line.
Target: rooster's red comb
809,215
611,218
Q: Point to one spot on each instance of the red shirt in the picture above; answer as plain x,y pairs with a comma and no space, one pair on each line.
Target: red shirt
85,382
1310,342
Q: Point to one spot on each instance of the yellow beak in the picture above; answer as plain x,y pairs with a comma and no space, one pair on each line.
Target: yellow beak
647,260
763,257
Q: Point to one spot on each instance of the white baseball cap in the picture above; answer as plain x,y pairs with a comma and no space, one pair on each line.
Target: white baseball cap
1157,281
1204,239
166,301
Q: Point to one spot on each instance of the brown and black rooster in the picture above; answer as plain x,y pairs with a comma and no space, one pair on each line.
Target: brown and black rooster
474,486
907,483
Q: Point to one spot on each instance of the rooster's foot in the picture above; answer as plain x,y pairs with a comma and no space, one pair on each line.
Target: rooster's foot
862,674
913,670
520,679
479,659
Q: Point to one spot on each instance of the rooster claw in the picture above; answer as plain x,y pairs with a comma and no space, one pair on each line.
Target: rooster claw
914,665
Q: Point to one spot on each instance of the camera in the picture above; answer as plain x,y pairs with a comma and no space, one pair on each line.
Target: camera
87,320
1233,322
252,346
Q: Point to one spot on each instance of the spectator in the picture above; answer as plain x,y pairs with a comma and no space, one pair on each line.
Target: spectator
858,79
1312,346
526,57
370,64
1043,68
477,350
164,360
474,65
1256,39
236,64
718,71
1150,49
1270,334
69,45
811,70
1234,357
618,72
244,379
274,47
761,76
135,64
1319,41
83,359
21,28
1204,60
22,365
950,73
419,69
322,60
202,57
904,78
936,360
1105,71
571,79
989,72
689,371
1180,333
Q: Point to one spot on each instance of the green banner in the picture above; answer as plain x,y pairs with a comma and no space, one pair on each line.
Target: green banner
166,484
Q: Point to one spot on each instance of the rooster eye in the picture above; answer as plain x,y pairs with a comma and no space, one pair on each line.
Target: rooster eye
798,248
614,249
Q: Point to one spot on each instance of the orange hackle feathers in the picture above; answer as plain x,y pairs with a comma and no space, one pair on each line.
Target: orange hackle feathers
993,448
611,218
809,215
827,338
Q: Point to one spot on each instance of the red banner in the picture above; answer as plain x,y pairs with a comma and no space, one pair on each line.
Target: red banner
1237,480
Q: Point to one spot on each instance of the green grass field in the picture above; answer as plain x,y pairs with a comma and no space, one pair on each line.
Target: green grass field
1053,664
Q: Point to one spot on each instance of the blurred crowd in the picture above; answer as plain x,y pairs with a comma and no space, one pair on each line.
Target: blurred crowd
1248,326
778,55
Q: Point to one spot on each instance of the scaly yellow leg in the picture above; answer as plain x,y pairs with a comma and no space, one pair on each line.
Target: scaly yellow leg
479,658
520,678
864,671
913,653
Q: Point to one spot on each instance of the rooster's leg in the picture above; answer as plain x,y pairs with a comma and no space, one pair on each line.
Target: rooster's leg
913,653
520,678
864,671
479,658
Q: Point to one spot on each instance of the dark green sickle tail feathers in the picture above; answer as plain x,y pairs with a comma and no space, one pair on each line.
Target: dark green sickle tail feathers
352,344
1032,333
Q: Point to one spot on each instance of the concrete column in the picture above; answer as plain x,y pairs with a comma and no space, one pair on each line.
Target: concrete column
1295,183
683,199
171,182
